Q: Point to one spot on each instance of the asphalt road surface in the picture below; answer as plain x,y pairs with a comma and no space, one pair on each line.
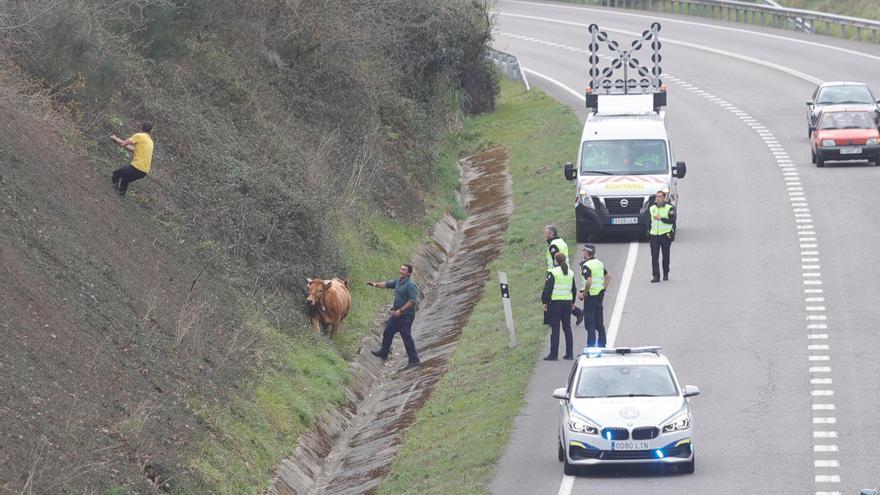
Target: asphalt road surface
771,305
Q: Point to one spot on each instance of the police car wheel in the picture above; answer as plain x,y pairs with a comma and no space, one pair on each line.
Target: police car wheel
561,452
569,468
687,467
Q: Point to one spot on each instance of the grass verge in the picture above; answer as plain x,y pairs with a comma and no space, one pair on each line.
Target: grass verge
303,372
469,417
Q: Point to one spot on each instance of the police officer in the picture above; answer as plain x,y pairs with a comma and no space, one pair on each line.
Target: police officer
596,280
558,298
662,217
556,245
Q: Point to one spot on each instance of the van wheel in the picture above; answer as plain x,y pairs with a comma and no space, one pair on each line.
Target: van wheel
820,162
581,233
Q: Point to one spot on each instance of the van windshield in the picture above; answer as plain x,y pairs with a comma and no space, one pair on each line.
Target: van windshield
624,157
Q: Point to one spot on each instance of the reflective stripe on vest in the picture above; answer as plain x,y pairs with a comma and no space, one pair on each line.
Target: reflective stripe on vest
597,274
562,284
562,248
657,226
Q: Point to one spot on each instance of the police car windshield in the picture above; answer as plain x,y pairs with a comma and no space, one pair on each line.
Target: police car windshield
624,157
625,381
839,95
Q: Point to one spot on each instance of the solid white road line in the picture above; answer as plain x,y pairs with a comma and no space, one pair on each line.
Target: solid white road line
617,312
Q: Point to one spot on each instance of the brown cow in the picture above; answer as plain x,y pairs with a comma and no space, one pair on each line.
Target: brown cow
329,303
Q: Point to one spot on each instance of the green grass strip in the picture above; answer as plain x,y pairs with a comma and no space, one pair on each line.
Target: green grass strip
301,373
461,432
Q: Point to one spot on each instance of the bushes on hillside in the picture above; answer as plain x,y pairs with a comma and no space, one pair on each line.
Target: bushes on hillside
275,121
270,111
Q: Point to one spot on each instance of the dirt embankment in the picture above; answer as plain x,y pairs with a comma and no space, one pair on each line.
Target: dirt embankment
101,339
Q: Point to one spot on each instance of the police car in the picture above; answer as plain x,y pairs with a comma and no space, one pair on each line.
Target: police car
624,406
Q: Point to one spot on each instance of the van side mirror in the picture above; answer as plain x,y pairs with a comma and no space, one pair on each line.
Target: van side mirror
569,171
561,393
691,390
679,170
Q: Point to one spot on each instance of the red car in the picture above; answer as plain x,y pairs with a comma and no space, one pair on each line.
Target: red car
845,133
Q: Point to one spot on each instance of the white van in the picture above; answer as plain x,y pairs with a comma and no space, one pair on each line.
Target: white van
625,157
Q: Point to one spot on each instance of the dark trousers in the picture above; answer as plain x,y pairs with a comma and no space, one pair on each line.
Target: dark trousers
594,320
123,175
404,326
658,243
559,312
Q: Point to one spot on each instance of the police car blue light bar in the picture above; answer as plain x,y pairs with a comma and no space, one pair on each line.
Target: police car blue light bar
600,351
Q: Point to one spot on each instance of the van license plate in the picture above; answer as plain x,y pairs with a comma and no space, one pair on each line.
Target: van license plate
629,445
850,150
625,221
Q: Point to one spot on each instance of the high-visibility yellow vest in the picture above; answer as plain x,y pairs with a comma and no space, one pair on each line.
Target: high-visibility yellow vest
657,226
561,246
562,284
597,274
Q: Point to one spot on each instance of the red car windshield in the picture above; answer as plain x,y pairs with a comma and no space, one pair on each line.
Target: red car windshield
846,120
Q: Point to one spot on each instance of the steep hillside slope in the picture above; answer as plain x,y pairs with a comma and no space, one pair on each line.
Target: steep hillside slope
149,342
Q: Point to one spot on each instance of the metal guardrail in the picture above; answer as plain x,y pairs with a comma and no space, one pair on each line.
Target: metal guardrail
760,14
509,65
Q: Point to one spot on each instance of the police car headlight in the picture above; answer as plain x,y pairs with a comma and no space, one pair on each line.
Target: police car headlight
681,422
871,141
585,198
582,426
827,142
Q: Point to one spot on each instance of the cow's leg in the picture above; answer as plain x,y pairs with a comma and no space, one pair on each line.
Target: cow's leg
316,323
334,327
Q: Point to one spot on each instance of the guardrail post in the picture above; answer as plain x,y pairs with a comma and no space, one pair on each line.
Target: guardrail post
874,36
858,33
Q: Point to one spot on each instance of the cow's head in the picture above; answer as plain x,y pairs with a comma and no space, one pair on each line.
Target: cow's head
316,288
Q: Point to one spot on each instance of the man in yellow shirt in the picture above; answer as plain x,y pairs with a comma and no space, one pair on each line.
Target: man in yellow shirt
141,146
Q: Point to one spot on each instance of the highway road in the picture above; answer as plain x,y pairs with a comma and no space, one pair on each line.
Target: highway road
771,308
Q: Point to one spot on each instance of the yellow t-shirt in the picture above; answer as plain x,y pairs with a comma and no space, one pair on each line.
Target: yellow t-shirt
143,151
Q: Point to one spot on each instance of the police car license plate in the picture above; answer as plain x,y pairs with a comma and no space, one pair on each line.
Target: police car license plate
850,150
629,445
624,221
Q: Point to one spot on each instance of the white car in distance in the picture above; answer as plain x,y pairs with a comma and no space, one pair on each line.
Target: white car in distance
624,406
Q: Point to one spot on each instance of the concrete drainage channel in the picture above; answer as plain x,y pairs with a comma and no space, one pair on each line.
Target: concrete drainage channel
351,449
